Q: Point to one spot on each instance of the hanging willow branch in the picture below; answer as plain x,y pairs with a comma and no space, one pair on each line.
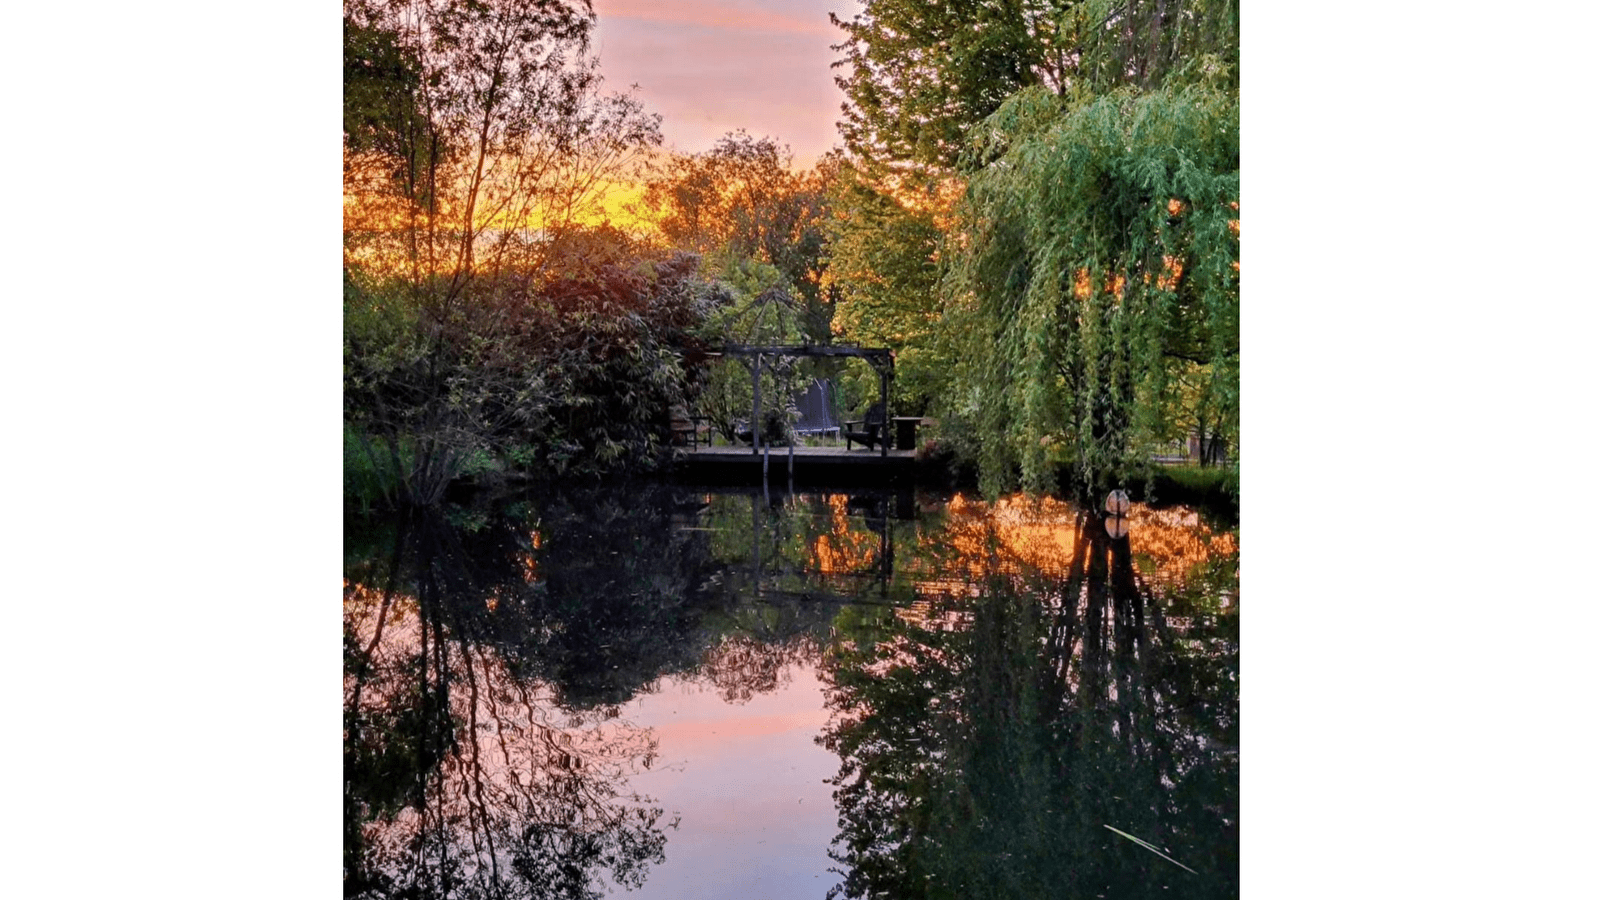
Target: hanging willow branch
1098,250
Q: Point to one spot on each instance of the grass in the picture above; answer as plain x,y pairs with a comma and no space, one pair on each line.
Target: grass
1212,487
1152,848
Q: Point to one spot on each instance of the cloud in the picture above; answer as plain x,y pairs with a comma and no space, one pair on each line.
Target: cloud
745,16
706,81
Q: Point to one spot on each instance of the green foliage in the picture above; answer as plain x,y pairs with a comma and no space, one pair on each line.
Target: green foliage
369,480
611,347
741,201
411,401
386,128
1099,250
572,374
922,76
996,91
883,253
482,323
1213,490
1147,43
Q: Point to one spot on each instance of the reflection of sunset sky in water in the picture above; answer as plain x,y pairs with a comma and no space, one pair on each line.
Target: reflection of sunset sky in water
748,782
745,781
522,732
721,735
513,772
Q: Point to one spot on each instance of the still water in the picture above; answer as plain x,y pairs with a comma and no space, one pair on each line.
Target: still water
672,693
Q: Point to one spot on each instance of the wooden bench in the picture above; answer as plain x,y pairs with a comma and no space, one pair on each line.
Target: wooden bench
872,431
690,429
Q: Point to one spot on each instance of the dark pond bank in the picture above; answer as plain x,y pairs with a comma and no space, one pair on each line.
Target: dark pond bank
732,693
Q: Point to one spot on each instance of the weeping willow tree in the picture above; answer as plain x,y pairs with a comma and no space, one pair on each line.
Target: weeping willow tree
1087,301
1096,264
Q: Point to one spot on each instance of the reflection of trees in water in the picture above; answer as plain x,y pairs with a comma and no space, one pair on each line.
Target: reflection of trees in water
634,590
874,545
975,540
463,779
741,667
986,742
485,661
806,546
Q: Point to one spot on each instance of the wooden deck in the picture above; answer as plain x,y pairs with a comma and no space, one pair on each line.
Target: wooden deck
811,464
838,454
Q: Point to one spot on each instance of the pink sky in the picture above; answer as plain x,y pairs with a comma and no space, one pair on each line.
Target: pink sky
712,66
748,784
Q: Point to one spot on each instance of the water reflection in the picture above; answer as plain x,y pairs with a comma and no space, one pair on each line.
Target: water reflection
464,778
987,741
1004,681
486,658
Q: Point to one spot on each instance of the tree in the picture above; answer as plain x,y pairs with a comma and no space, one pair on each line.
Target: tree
609,345
922,75
883,262
1099,250
491,120
385,128
477,135
741,200
574,374
1092,264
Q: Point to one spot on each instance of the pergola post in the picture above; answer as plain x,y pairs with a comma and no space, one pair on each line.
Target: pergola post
755,409
883,401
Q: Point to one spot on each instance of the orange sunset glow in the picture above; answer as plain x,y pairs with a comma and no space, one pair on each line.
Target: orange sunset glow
1017,534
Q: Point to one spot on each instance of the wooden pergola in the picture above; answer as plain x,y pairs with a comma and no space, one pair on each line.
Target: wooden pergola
880,358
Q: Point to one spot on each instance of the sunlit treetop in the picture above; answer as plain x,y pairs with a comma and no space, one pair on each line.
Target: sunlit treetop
474,131
918,77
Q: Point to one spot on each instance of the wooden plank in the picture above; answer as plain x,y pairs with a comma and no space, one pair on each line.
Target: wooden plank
803,453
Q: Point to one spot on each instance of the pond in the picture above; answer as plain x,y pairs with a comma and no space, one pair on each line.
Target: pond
667,692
